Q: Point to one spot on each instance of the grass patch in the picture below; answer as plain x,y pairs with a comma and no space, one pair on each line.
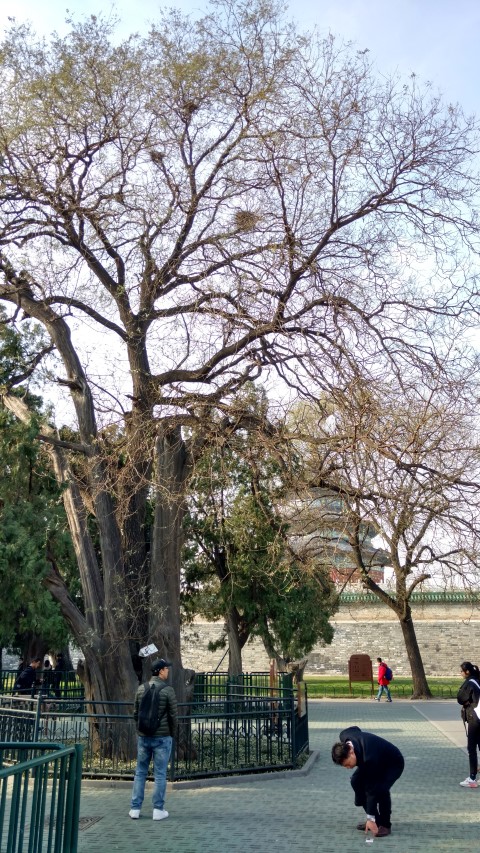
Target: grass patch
337,687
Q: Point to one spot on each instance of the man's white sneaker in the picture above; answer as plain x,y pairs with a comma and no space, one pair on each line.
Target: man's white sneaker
134,813
159,814
469,783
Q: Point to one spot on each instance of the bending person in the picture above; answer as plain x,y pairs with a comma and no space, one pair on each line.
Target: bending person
378,765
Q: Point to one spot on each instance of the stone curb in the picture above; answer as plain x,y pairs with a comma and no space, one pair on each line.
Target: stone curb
274,776
218,781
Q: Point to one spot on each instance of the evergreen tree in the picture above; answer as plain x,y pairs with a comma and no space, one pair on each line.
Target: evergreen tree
33,530
238,560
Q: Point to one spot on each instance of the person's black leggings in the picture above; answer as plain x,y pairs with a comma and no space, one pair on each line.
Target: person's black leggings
473,743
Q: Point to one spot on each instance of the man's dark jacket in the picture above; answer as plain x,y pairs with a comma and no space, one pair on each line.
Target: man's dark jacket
167,712
379,763
25,680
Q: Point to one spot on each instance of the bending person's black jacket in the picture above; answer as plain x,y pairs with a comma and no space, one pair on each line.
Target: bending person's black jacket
379,763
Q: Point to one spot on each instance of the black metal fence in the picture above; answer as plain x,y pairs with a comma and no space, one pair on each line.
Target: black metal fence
18,718
213,686
250,734
237,733
51,684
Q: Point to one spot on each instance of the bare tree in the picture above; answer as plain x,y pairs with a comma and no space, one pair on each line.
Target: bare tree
406,466
184,211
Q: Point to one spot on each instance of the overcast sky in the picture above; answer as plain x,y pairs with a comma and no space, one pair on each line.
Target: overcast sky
436,39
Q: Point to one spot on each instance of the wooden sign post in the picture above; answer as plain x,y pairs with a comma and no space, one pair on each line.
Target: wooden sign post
360,669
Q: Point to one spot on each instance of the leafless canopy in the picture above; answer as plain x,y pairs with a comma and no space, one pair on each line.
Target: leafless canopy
221,198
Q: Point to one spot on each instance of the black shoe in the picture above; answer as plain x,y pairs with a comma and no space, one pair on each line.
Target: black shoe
361,826
383,831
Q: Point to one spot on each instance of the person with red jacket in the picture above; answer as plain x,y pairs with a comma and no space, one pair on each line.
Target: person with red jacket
382,681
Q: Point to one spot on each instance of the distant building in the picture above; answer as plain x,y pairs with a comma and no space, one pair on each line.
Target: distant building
320,529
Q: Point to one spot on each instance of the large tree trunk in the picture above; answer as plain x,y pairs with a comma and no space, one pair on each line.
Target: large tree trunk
235,645
170,474
270,649
103,632
238,632
401,607
33,647
421,689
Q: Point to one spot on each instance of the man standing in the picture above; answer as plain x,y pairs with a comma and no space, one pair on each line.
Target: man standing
157,746
27,678
378,765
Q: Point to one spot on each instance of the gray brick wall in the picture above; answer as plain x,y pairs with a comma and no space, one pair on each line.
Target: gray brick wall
446,636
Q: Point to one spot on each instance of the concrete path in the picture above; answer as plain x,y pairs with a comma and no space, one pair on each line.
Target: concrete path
312,813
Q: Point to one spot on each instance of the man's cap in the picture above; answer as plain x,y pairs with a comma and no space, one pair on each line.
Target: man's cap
159,664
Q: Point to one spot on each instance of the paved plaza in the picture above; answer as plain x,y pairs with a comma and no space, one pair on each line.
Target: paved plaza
313,813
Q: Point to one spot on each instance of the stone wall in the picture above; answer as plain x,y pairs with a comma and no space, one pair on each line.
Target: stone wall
446,635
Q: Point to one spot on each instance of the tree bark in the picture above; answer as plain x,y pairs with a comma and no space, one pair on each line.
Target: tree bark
103,633
403,612
237,636
171,459
421,689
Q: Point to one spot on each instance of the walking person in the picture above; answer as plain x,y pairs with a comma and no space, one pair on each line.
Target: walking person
378,764
58,675
156,746
468,697
47,677
383,681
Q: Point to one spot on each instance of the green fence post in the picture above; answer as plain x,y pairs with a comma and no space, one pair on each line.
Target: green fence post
72,814
293,717
36,727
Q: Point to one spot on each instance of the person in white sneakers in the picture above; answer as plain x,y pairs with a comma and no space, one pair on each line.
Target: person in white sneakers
156,746
468,697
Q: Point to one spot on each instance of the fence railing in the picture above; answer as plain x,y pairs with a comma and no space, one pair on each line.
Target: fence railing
459,596
364,691
237,734
39,797
213,686
19,718
52,685
249,734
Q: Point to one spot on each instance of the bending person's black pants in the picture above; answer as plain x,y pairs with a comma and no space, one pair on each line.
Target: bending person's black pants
379,788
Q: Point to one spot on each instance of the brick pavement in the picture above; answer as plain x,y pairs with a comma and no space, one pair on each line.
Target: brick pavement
312,813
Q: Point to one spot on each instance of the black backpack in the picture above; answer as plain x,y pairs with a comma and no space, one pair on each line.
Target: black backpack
148,719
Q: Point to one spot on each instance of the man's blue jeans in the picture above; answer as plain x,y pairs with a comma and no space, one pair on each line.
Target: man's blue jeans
158,748
381,688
